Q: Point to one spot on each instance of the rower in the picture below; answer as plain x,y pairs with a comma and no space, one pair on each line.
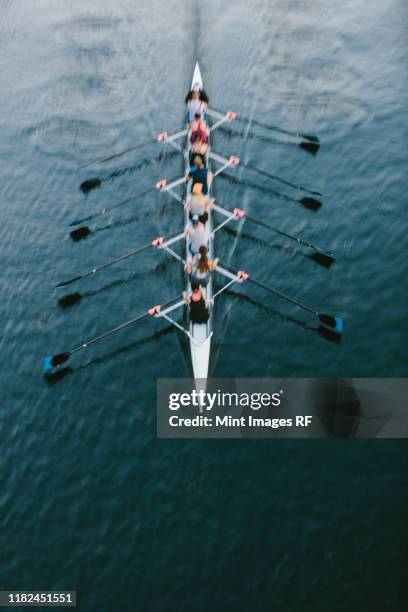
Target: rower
198,127
195,105
201,94
200,267
199,204
200,174
197,234
199,149
198,306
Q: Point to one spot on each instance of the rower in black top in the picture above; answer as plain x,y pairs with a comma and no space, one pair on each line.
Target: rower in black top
198,308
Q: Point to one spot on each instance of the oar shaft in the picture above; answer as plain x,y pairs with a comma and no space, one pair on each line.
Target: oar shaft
282,233
134,148
118,328
268,126
103,211
282,295
109,332
115,261
280,180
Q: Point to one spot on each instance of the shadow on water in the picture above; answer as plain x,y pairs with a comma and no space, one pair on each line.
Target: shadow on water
307,202
58,375
315,257
95,182
83,232
326,333
232,133
71,299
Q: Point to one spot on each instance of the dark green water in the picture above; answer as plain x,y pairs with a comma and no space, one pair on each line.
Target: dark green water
90,499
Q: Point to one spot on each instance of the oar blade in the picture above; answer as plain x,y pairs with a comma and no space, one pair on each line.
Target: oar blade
323,259
90,184
52,361
70,300
335,322
311,203
310,147
80,233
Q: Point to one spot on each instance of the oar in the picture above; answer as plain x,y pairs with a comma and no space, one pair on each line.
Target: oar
324,256
307,201
106,159
103,211
310,147
154,243
335,322
106,265
281,180
51,361
269,126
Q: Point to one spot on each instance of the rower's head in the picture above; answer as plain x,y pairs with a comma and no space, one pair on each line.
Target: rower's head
203,252
197,189
197,116
196,289
196,94
198,162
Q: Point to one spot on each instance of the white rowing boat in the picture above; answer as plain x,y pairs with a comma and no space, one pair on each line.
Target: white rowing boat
199,334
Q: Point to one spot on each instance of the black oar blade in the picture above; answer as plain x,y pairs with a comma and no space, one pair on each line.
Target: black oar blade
310,147
322,259
80,233
51,361
310,203
54,376
336,323
311,137
69,300
90,184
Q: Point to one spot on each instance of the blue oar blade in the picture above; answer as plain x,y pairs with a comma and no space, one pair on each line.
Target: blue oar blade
51,361
47,365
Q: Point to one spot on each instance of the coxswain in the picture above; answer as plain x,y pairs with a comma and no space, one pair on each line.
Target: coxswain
201,94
